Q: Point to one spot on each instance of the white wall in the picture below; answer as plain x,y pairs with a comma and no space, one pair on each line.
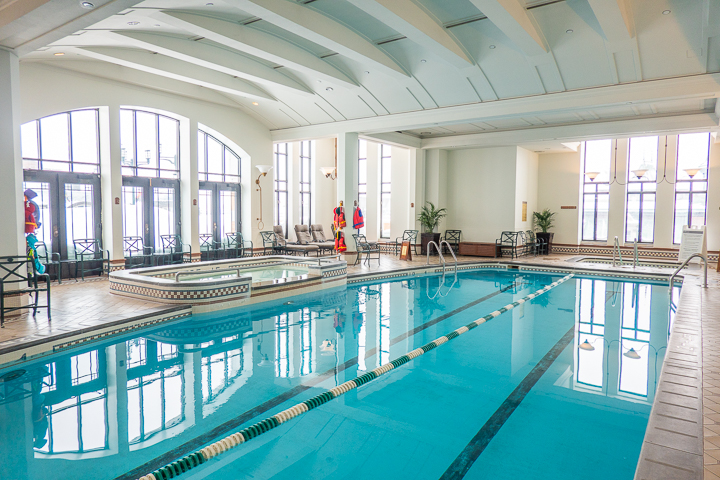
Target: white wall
324,192
46,90
400,198
481,192
558,185
526,187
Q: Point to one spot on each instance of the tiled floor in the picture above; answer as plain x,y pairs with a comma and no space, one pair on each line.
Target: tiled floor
87,304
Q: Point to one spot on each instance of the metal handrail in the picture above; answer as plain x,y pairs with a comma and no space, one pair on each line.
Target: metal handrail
616,246
451,252
439,253
672,277
200,272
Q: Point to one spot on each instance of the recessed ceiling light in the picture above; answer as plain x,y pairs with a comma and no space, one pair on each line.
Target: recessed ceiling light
666,12
492,47
367,73
133,23
569,30
256,103
87,5
423,61
59,54
329,89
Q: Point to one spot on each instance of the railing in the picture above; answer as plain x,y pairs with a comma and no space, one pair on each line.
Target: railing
442,259
616,247
451,252
210,272
687,260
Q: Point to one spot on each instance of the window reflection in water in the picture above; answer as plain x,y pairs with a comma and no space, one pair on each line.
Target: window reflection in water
636,303
283,346
591,327
218,371
154,388
362,332
383,311
70,407
307,338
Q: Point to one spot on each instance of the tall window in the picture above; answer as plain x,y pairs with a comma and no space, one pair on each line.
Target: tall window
281,185
641,188
596,190
65,142
149,144
385,184
692,181
61,159
306,151
219,193
362,178
216,161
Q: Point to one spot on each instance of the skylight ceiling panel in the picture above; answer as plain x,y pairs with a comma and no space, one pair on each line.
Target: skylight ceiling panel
291,37
450,11
670,45
354,18
580,55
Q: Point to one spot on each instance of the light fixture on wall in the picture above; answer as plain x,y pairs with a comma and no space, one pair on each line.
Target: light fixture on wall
264,169
331,172
592,175
692,171
639,173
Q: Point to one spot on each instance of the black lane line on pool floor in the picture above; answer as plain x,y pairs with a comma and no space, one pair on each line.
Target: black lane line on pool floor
462,464
226,427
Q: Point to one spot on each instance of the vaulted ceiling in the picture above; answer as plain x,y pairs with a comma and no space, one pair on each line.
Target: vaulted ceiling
428,68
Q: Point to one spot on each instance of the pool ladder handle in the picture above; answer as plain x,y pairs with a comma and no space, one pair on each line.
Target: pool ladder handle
616,247
672,277
442,258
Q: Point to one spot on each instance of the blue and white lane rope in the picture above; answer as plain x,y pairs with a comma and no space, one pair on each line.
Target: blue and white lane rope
199,457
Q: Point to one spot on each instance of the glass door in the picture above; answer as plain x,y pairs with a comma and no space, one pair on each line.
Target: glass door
219,210
151,208
69,209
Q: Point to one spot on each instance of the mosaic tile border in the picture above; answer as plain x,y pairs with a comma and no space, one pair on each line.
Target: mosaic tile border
607,250
118,331
190,294
199,457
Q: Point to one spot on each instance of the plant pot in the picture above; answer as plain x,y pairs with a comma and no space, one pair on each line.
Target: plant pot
548,237
426,238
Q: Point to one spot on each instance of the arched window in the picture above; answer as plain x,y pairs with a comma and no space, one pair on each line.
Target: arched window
61,161
150,147
219,194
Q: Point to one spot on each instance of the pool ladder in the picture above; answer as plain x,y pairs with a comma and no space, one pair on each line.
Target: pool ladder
442,259
616,248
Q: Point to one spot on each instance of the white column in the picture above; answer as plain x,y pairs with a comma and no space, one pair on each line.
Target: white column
189,186
618,193
111,185
372,216
436,178
347,181
12,221
416,188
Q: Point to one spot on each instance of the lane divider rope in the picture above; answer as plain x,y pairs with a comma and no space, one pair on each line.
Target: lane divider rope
201,456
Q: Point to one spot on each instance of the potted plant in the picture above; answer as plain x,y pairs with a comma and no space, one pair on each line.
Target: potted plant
542,222
429,219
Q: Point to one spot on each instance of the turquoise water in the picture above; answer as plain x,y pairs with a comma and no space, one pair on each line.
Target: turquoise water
258,274
109,408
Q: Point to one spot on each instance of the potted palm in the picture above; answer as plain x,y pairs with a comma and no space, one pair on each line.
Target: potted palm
543,221
429,219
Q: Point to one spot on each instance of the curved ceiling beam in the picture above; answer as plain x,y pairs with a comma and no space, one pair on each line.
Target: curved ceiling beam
257,43
615,18
406,17
513,20
175,69
324,31
212,57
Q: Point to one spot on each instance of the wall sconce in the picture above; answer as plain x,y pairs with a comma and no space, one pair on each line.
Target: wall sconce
264,169
592,175
329,172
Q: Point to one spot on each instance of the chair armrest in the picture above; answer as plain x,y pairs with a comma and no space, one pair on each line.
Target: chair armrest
52,257
246,242
149,249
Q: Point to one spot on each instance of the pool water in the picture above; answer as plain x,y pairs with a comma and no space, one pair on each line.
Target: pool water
258,274
125,407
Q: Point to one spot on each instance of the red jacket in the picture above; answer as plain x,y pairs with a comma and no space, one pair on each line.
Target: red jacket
358,220
339,218
340,242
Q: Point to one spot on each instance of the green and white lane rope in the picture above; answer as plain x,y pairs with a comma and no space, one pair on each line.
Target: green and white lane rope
199,457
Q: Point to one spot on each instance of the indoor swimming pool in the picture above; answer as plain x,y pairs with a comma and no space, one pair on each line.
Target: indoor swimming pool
560,386
257,274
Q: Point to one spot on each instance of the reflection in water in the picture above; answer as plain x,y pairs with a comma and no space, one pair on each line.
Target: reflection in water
590,313
383,315
636,303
